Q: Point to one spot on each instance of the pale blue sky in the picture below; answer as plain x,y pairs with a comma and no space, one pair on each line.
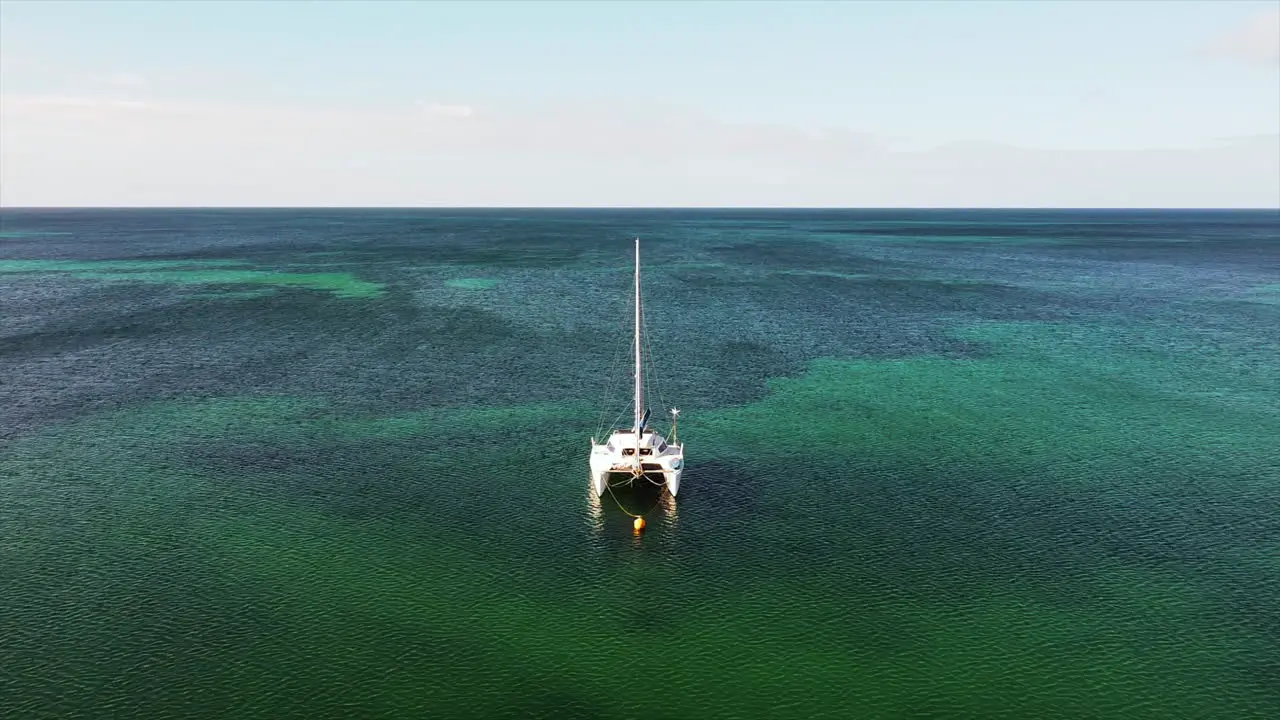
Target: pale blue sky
521,84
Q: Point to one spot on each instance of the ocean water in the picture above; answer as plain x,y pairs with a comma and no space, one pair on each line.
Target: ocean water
305,463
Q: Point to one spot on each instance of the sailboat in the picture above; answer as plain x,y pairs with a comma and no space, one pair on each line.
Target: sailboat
638,451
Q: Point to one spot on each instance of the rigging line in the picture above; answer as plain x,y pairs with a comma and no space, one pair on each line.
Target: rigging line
653,366
652,383
658,483
648,351
655,390
617,419
661,395
614,381
658,382
650,380
609,487
608,382
623,411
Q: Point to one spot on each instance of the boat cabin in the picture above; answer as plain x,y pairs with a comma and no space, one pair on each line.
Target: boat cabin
651,443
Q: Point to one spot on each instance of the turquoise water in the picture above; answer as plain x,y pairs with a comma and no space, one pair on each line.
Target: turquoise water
944,463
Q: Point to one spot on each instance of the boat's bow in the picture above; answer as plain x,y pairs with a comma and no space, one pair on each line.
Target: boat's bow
650,457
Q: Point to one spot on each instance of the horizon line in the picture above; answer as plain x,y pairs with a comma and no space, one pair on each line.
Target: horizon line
712,208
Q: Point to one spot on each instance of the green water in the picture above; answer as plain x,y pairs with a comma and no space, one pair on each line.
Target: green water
206,272
1068,514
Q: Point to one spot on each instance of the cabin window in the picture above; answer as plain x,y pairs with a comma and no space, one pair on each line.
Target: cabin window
662,447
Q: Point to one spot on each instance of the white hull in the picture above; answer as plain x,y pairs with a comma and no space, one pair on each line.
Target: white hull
618,456
600,480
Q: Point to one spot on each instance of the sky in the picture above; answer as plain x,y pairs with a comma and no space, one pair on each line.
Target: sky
620,104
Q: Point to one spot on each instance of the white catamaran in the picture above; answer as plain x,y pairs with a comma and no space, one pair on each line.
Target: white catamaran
638,451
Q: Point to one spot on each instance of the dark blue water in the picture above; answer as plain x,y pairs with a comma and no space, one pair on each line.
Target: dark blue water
331,462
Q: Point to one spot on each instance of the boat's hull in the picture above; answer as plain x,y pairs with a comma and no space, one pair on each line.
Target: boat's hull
670,479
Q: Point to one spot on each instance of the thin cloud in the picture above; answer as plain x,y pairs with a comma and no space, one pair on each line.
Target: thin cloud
1257,40
127,80
102,151
37,105
439,110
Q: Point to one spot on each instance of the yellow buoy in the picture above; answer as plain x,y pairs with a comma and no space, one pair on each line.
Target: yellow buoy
639,524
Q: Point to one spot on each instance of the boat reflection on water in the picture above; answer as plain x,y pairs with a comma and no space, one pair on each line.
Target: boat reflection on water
612,514
595,512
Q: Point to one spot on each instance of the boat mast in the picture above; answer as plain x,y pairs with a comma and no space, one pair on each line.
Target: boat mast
639,399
